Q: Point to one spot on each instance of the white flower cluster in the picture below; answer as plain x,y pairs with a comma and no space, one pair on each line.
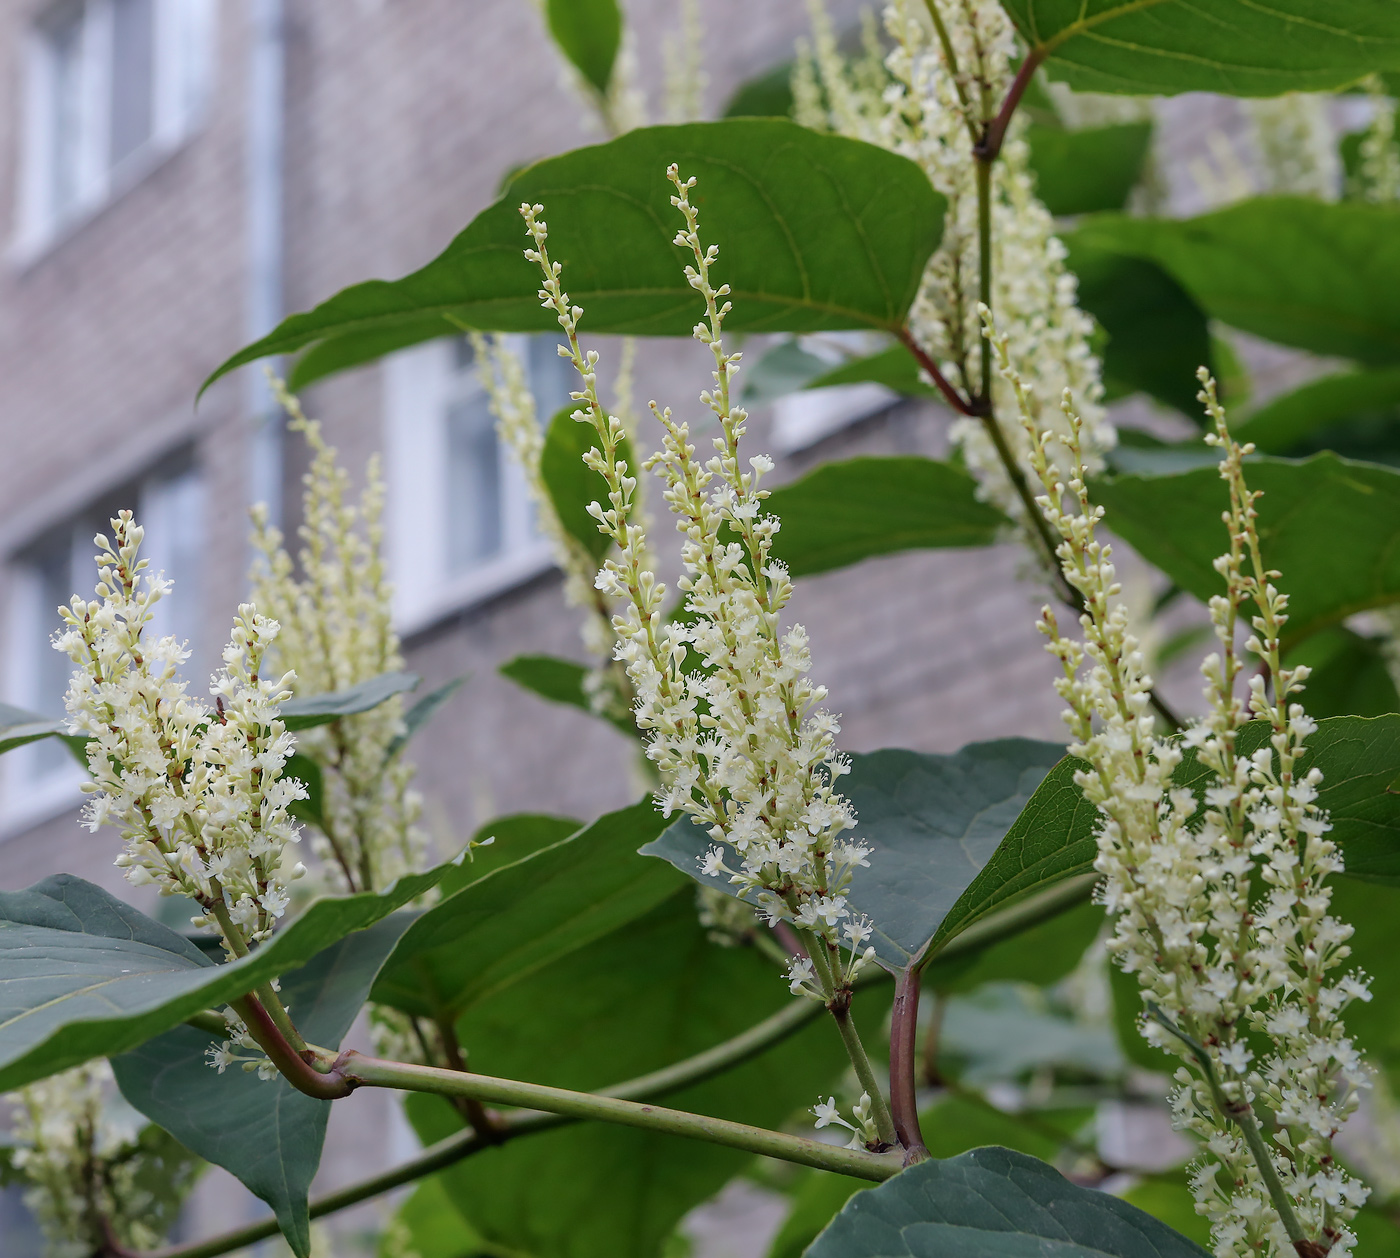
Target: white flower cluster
1379,173
1224,973
741,745
520,429
197,791
864,1132
923,110
91,1178
1297,144
337,631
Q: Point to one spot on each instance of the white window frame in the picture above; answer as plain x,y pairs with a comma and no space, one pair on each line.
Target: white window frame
28,794
420,385
182,65
803,418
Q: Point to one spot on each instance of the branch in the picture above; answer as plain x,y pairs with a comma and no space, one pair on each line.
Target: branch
330,1086
359,1070
713,1061
950,394
988,148
904,1023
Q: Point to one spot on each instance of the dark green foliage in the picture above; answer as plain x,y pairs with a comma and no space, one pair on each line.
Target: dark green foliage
571,485
1080,172
589,33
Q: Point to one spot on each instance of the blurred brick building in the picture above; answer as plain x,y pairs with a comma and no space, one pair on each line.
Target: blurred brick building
176,174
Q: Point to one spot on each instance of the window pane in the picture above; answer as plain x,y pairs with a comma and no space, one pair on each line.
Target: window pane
64,37
133,79
473,484
551,377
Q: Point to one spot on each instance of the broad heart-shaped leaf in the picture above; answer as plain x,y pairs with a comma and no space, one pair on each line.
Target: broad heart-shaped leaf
83,975
1157,334
643,997
1339,293
264,1132
306,712
931,823
993,1203
1281,425
559,681
844,512
504,926
589,33
787,367
1236,47
1330,525
572,485
1080,172
895,368
815,232
434,1227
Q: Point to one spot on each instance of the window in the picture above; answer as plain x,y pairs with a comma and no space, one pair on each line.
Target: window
460,522
41,779
112,84
802,419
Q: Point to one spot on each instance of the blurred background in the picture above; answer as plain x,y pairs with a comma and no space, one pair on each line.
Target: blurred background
176,175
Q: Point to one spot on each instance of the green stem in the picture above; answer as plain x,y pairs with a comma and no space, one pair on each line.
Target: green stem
884,1123
361,1071
712,1062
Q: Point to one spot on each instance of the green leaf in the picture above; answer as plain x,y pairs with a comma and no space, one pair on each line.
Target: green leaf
422,712
931,822
767,96
311,710
1161,47
894,368
1307,507
428,1225
308,773
844,512
1338,294
954,1125
993,1203
1157,334
1350,676
84,975
1041,954
559,681
815,231
1167,1196
572,485
589,33
649,994
1280,426
1079,172
520,917
784,369
264,1132
511,839
18,727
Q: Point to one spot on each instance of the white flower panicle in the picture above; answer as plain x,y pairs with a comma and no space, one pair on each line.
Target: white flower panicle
741,746
337,631
1379,152
1296,144
1225,974
197,791
919,107
520,429
91,1177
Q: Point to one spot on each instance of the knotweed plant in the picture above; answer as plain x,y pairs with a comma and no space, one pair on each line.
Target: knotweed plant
743,746
93,1175
196,789
335,613
1220,910
952,64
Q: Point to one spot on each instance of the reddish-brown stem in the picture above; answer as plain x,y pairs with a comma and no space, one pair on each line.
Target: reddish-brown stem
954,398
469,1107
295,1069
988,148
904,1108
